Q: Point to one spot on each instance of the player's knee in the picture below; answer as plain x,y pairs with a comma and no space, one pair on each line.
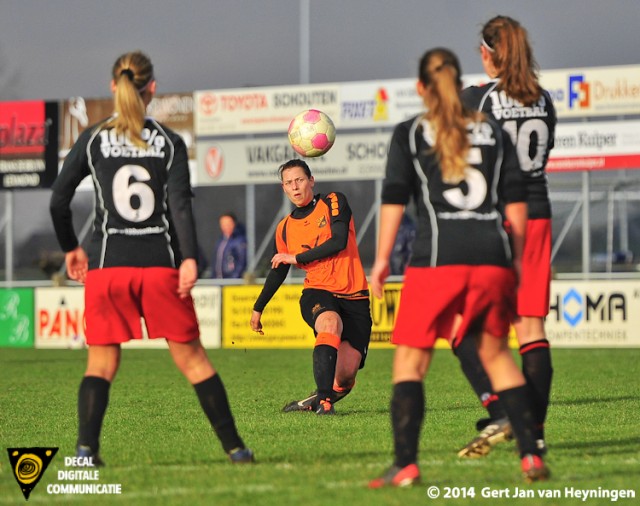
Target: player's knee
329,322
105,371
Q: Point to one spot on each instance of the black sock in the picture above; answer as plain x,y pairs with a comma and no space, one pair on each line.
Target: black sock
537,369
339,395
518,404
407,414
467,353
213,399
324,370
93,397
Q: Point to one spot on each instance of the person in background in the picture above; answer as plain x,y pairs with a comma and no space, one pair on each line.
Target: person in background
229,260
525,111
459,168
403,246
141,257
319,237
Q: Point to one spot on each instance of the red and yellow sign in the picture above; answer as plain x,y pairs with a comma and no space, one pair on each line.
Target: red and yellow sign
28,144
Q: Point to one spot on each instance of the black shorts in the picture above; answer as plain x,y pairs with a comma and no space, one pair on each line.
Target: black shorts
355,315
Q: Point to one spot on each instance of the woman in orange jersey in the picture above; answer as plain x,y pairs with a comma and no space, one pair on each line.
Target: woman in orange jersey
319,237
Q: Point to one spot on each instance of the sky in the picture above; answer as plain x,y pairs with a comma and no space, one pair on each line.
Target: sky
64,48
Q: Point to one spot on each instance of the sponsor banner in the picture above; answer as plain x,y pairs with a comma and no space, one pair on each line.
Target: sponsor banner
77,113
383,315
28,144
282,323
594,314
16,317
208,302
367,104
255,110
361,156
254,161
587,92
597,91
176,112
59,318
596,146
378,103
608,162
597,314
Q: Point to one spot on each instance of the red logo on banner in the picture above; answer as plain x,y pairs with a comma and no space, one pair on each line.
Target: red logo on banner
24,129
214,162
208,104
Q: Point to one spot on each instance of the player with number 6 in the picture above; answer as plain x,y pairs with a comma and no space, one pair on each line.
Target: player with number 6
141,257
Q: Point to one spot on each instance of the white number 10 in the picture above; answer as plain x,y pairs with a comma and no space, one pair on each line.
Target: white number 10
522,141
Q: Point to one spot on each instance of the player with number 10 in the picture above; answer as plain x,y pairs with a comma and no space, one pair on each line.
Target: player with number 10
515,99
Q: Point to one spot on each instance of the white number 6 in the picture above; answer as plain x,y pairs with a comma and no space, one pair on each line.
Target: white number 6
124,193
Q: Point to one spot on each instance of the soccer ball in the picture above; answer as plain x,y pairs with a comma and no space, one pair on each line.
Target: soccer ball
312,133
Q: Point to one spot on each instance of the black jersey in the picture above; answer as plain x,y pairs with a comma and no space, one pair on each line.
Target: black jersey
457,224
532,131
143,214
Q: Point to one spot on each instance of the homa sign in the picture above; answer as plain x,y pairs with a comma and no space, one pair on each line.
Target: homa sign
594,314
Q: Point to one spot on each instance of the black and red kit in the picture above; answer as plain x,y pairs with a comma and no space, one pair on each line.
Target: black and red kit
134,190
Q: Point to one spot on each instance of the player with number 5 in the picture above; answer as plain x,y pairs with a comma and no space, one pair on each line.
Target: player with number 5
141,257
459,167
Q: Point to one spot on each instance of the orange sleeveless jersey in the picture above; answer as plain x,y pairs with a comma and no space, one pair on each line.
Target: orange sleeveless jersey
341,273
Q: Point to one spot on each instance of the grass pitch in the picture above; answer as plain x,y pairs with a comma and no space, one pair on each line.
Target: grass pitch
157,443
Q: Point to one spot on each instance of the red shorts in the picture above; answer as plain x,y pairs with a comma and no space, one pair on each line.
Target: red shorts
116,298
432,298
535,281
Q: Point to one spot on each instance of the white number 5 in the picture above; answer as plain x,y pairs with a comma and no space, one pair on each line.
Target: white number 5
126,192
477,191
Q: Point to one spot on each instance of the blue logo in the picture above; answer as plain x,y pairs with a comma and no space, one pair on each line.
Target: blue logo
578,92
572,318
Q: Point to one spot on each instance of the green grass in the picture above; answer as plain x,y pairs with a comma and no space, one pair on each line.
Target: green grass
158,445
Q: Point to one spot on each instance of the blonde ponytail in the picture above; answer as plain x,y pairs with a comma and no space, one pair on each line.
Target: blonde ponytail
440,74
132,74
